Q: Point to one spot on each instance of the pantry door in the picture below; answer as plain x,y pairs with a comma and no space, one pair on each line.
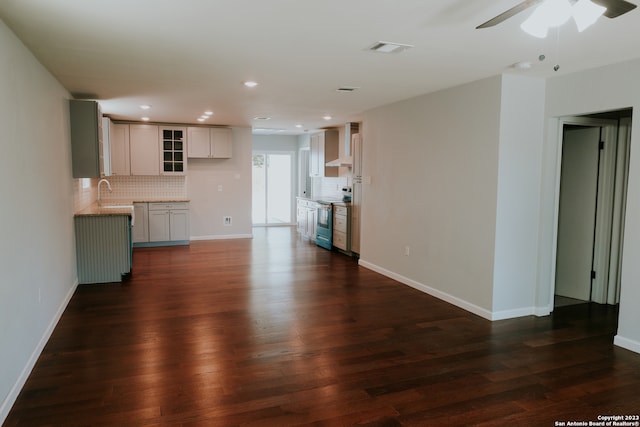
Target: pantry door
272,188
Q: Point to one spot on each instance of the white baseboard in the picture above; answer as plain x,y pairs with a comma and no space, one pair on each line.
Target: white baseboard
627,343
222,237
458,302
512,314
543,311
479,311
7,404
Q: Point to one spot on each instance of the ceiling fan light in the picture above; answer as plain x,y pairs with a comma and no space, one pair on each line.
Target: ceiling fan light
555,12
586,13
535,25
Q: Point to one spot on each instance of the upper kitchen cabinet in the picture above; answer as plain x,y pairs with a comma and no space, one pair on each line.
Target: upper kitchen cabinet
119,147
209,143
87,148
144,149
324,148
173,146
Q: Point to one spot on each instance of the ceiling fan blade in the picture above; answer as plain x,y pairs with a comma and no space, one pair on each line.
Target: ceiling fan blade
513,11
615,8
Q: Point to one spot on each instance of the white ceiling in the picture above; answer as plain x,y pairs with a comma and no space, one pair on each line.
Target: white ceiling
187,56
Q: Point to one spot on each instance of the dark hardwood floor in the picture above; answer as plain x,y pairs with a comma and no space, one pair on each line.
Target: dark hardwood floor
275,331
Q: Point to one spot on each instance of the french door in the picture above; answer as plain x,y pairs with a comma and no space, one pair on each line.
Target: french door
272,200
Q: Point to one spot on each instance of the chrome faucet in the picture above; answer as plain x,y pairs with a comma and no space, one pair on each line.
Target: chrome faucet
108,186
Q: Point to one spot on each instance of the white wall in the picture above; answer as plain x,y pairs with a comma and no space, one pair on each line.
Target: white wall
518,210
37,254
433,166
205,179
286,143
602,89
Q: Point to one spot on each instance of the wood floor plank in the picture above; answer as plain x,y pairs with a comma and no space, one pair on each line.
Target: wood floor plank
274,331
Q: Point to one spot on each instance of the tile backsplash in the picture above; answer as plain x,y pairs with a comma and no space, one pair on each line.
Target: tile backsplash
146,187
129,188
85,192
329,187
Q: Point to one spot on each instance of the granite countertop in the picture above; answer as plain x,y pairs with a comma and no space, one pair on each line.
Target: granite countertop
115,209
327,200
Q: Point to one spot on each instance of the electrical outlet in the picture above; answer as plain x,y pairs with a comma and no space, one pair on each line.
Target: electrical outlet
227,220
220,187
407,250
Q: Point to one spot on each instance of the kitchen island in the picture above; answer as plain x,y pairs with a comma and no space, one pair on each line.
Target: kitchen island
103,244
106,234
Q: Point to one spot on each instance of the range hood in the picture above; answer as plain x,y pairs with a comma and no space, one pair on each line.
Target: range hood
346,159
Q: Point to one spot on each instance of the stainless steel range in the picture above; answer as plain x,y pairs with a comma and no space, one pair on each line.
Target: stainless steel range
324,225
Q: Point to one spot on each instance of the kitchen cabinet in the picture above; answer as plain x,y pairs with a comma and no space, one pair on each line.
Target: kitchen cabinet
141,226
172,150
209,143
169,222
119,148
342,227
356,204
103,247
106,146
306,218
87,148
144,149
324,148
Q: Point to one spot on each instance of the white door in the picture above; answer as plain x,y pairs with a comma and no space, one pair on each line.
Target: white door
576,223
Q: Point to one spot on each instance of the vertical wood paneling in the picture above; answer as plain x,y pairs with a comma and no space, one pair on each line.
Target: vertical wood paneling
102,248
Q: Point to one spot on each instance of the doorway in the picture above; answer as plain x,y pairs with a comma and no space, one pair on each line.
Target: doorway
592,197
272,188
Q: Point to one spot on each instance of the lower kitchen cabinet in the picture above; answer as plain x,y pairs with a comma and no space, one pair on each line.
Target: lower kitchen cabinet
141,226
307,217
162,224
342,227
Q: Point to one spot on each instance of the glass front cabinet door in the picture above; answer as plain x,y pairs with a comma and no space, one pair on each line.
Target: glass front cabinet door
173,145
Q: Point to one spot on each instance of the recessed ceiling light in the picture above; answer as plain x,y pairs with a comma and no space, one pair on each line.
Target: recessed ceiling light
262,118
298,126
388,47
522,65
145,106
200,119
208,113
145,119
268,130
250,84
203,117
327,117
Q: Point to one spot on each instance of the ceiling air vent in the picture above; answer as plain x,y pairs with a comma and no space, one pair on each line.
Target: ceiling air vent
347,89
388,47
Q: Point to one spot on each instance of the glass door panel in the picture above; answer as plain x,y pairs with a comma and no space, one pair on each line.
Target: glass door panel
272,188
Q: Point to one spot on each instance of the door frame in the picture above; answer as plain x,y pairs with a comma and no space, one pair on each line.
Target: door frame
607,181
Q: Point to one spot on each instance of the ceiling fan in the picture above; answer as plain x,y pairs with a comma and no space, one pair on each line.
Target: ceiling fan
615,8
